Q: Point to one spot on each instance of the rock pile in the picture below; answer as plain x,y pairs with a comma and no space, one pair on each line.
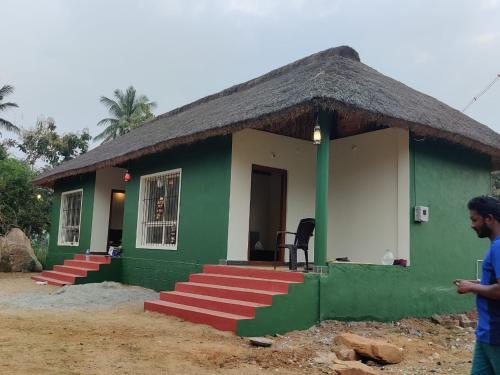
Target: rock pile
377,350
16,253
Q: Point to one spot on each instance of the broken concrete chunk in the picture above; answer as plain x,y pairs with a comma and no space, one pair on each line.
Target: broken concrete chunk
260,341
346,354
377,350
353,368
465,322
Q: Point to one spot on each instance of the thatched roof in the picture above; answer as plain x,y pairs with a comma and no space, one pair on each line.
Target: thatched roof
333,79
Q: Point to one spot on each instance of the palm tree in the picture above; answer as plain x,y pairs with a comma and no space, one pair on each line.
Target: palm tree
4,124
128,112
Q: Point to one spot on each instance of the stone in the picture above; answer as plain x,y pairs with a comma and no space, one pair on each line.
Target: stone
377,350
260,341
352,368
466,322
346,354
16,253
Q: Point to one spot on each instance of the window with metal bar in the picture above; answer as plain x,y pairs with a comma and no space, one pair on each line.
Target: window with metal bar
69,218
159,210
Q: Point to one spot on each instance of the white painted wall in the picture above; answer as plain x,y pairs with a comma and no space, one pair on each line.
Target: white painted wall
107,179
298,157
369,196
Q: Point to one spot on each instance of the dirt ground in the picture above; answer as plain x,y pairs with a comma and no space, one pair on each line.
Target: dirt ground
126,340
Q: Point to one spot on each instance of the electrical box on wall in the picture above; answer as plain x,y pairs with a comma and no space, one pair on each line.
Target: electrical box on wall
421,214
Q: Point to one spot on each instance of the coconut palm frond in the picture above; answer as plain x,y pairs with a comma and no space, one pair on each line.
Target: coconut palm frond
7,125
6,90
127,111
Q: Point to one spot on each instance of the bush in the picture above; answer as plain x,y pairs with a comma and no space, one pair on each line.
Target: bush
41,250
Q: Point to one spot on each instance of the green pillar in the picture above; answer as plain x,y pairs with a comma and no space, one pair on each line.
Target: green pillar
326,121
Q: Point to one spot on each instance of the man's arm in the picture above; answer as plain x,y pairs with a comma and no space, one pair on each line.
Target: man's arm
470,281
487,291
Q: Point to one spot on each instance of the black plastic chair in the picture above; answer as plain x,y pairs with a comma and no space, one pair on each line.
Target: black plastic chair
302,237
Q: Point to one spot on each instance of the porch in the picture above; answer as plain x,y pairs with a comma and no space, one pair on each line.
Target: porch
357,190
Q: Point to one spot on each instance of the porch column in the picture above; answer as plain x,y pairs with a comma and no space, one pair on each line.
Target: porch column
326,121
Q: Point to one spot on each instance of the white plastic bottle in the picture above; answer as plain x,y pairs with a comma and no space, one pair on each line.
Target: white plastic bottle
388,258
87,255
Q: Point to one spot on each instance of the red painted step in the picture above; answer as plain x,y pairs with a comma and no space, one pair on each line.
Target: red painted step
241,282
232,306
49,280
242,294
223,295
77,271
254,272
94,258
59,276
82,264
220,320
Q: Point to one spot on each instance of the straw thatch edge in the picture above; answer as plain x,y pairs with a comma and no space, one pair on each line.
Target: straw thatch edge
275,121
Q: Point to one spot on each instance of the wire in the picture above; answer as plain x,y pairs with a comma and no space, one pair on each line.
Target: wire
475,98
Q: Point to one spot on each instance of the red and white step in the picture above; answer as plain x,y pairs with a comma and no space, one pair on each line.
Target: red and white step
72,269
223,295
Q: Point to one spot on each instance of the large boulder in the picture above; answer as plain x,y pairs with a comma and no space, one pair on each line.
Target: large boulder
377,350
16,253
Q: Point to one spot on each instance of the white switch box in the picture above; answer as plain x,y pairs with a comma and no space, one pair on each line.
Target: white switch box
421,214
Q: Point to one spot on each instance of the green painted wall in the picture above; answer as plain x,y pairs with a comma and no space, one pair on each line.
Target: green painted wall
299,309
57,254
203,215
444,178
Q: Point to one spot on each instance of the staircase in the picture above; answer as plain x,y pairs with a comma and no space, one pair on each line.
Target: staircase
74,270
224,296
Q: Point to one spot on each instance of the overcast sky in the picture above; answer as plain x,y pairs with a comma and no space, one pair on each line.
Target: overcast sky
62,55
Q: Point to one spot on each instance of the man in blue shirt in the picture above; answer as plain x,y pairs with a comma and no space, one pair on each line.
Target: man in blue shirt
485,221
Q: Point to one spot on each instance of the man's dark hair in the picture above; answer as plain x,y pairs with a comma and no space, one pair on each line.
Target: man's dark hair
485,206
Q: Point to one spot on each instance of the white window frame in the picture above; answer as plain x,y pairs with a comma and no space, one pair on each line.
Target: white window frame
61,209
140,212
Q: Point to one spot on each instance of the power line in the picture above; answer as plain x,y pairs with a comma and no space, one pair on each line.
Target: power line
475,98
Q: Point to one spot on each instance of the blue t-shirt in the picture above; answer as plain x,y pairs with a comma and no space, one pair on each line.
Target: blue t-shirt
488,325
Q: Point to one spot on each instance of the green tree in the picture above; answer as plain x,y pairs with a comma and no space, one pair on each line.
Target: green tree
128,111
495,182
4,124
22,204
43,143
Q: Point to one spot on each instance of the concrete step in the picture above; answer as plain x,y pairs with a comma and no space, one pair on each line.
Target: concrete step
231,306
94,266
242,294
220,320
254,272
241,282
93,258
66,277
77,271
50,281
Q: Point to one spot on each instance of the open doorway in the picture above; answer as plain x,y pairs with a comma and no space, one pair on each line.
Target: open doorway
116,210
267,212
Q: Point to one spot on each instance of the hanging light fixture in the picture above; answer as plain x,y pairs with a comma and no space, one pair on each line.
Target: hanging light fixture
317,133
127,177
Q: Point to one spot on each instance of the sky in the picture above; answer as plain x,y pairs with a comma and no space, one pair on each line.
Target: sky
62,56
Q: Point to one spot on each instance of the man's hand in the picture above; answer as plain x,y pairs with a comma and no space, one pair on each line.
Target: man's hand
464,286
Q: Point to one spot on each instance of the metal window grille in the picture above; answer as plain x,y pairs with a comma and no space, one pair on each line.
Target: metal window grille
69,228
159,206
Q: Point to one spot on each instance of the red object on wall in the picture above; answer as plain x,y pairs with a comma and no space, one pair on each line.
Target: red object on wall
127,177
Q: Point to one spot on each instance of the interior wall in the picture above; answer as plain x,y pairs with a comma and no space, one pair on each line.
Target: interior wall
117,206
369,196
296,156
107,179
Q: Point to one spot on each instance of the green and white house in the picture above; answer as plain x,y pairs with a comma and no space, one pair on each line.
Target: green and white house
211,182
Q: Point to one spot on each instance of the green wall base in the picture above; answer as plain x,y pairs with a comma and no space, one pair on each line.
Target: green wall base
299,309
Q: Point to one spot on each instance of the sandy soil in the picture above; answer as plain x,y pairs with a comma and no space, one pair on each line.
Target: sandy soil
126,340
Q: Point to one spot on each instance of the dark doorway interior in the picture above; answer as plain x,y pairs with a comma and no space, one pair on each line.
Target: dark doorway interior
115,228
267,212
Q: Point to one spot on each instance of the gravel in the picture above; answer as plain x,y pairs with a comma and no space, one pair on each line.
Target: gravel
87,297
